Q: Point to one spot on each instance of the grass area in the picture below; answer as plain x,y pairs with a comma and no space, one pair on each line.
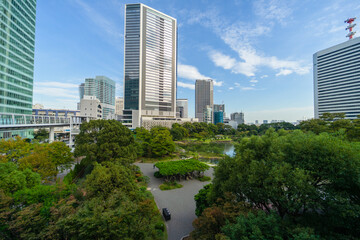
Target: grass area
169,186
204,179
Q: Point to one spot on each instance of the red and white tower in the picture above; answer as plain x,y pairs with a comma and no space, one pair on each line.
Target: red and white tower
350,27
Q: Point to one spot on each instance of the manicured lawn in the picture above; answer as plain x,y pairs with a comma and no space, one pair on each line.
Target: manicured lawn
169,186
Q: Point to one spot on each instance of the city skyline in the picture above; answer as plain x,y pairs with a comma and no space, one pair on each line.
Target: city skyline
258,53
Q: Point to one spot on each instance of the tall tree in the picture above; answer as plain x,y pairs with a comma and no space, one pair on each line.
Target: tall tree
312,179
105,140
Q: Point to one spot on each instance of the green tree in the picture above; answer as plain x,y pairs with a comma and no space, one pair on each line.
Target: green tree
313,179
161,142
41,135
105,140
202,199
12,179
105,179
60,154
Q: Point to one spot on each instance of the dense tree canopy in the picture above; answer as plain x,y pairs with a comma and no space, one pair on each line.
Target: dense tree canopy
105,140
110,202
154,143
310,182
45,159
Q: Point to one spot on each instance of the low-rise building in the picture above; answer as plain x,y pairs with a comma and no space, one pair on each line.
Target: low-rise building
90,106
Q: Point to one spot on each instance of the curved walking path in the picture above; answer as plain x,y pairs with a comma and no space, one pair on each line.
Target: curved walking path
180,202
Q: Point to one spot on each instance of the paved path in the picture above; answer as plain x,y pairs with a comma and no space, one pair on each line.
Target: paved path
180,202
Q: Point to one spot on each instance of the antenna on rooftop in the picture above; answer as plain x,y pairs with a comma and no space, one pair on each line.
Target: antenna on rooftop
350,27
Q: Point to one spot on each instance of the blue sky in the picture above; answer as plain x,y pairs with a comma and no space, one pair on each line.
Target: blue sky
259,52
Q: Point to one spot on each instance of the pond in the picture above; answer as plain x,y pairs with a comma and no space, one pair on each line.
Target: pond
229,149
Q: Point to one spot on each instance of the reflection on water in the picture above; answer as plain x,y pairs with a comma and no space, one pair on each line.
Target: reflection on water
229,149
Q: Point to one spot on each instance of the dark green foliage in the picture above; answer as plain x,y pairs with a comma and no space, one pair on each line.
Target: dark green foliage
263,226
202,199
178,132
104,179
41,135
105,140
308,179
181,167
12,179
157,174
154,143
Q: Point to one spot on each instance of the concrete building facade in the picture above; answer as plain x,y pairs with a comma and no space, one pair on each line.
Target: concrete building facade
119,106
150,61
204,96
17,60
182,108
238,117
90,106
337,79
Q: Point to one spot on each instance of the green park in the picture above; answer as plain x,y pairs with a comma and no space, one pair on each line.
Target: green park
273,181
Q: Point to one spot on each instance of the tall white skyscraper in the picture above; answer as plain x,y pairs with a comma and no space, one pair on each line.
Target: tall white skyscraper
150,65
337,79
204,97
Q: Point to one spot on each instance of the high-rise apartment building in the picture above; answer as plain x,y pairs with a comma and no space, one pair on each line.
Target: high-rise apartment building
103,89
17,45
204,92
219,113
337,79
150,64
219,108
182,108
238,117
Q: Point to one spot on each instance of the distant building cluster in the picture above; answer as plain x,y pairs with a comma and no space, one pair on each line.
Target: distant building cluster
99,89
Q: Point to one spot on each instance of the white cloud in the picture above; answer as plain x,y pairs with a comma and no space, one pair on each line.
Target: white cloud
247,88
218,84
186,85
238,85
190,72
227,62
231,88
253,85
254,81
284,72
273,10
101,21
264,76
57,92
57,84
241,36
57,89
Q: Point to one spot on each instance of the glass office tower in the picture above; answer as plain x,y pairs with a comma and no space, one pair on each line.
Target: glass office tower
150,62
17,43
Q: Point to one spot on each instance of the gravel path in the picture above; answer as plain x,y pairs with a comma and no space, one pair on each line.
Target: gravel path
180,202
